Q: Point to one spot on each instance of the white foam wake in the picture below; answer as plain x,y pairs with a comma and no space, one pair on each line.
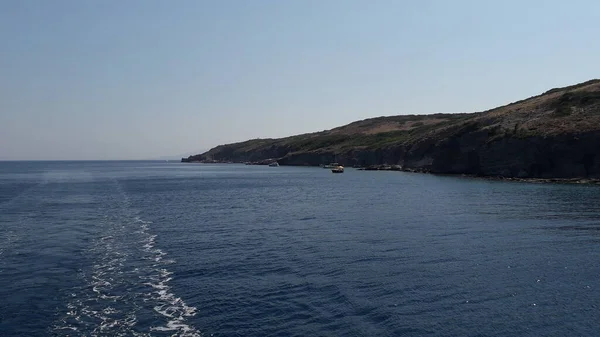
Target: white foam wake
173,308
128,283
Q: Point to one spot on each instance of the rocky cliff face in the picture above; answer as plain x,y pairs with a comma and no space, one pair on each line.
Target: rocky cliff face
553,135
564,156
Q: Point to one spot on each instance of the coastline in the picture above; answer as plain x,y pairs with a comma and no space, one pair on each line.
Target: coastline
553,137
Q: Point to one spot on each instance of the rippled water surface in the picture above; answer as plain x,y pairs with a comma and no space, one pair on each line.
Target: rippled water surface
169,249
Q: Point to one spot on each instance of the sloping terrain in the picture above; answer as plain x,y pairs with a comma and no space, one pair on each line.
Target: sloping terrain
552,135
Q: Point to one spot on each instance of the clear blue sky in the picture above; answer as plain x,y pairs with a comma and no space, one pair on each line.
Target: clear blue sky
141,79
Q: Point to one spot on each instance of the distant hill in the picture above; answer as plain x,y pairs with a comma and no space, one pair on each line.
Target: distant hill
552,135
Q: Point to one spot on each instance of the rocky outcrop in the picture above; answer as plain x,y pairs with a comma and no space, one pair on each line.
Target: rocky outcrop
553,135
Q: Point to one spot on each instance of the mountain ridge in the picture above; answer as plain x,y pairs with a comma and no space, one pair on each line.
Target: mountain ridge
555,134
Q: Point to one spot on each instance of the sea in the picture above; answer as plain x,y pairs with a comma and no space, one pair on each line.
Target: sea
170,249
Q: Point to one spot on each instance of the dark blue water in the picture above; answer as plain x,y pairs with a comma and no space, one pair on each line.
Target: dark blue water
165,249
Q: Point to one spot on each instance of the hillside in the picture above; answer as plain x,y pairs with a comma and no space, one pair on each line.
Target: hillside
552,135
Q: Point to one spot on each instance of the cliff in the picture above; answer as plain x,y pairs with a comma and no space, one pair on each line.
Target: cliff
552,135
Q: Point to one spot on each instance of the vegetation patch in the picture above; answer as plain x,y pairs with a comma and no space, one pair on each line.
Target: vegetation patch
564,105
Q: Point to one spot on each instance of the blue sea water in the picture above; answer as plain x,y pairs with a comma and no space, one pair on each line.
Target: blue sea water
170,249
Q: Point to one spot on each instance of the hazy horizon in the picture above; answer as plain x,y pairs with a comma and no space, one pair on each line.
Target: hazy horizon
146,79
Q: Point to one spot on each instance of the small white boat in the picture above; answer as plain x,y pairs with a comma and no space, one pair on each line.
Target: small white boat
338,169
274,164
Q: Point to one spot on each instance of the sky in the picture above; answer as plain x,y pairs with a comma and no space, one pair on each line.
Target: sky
146,79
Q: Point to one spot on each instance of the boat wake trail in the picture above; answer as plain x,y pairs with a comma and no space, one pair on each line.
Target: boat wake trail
168,305
126,291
